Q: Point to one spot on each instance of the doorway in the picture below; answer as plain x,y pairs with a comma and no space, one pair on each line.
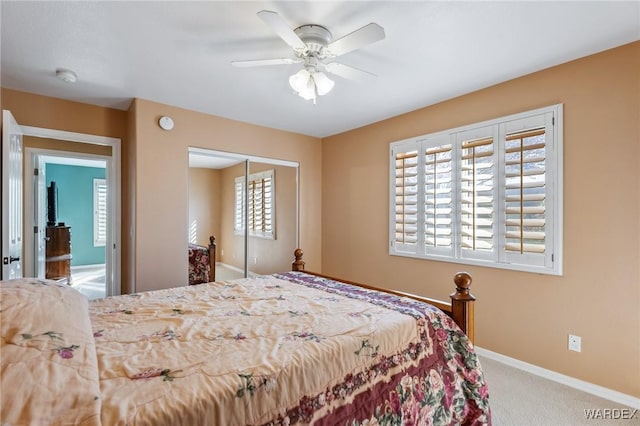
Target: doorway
32,248
72,212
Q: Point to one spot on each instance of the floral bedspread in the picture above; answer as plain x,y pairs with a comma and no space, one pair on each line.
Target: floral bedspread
272,350
48,364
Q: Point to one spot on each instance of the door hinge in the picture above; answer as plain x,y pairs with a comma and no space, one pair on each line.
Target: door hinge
553,121
35,229
552,258
36,172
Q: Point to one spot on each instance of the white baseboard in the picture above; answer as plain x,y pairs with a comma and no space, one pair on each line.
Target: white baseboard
236,269
233,268
602,392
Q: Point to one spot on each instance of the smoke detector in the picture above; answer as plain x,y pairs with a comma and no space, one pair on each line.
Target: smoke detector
67,76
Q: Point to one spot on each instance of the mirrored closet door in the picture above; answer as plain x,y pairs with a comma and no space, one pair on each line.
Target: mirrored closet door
250,205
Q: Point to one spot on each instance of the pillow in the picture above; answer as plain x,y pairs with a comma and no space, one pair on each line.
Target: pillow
49,368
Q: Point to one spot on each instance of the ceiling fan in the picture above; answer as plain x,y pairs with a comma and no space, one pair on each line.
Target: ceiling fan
312,45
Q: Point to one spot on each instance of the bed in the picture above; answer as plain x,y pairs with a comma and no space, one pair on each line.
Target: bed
202,262
288,348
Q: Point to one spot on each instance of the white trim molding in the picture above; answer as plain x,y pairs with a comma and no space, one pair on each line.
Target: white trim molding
581,385
113,176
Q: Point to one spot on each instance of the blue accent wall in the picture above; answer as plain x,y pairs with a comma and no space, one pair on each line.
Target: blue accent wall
75,208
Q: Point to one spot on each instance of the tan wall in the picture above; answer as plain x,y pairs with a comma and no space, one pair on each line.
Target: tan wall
204,204
129,203
522,315
161,175
58,145
59,114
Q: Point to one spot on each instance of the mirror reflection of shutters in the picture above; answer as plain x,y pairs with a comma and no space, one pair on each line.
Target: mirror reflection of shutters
239,217
267,205
261,205
438,196
406,198
525,159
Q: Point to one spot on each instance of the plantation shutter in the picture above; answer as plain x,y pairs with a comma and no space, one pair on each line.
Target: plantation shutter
267,205
438,197
525,191
488,194
405,197
477,183
255,213
239,217
261,204
99,212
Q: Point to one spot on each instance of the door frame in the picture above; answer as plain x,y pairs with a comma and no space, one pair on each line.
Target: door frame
32,158
113,256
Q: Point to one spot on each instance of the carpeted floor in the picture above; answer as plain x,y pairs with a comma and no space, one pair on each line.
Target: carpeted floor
518,398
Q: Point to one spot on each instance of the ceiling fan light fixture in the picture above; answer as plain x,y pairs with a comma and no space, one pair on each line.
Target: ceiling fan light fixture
323,83
300,80
308,85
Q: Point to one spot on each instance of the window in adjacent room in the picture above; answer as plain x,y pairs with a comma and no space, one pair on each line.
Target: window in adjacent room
486,194
99,212
260,217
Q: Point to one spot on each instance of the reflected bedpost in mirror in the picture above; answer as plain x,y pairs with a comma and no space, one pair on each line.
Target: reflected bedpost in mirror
232,194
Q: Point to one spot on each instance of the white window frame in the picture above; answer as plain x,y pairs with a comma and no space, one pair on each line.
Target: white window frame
99,212
497,257
241,218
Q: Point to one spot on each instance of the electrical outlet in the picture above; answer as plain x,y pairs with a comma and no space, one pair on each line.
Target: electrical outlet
575,343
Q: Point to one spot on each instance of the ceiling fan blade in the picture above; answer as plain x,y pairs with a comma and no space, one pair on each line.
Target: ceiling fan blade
282,29
348,72
359,38
263,62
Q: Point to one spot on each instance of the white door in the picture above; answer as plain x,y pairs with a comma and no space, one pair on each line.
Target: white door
11,197
39,216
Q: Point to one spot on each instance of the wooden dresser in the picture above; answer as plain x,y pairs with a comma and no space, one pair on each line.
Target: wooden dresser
58,253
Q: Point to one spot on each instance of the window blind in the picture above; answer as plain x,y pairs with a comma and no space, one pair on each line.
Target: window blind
438,196
406,198
260,191
525,191
476,195
239,217
99,212
487,194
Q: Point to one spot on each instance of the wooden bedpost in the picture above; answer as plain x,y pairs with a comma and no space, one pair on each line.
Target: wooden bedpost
298,264
212,258
462,304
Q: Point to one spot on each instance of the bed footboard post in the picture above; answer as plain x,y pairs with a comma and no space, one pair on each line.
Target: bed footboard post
298,264
212,258
462,302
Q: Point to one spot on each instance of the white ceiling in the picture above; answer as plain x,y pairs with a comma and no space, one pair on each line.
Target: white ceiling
179,53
